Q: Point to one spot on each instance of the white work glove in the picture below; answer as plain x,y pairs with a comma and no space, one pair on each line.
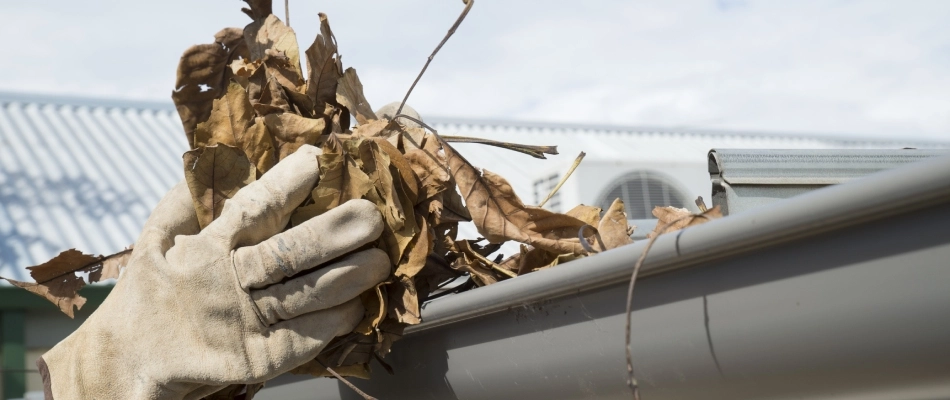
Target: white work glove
195,312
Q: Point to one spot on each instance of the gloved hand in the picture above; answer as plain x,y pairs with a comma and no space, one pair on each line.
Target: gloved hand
196,312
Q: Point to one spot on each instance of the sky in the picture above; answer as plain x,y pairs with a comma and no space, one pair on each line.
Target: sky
835,67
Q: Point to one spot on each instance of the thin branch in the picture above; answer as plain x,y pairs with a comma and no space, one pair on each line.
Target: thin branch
287,12
577,161
468,6
531,150
631,380
419,121
701,204
347,383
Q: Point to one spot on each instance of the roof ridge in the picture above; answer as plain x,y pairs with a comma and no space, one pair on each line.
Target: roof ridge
84,101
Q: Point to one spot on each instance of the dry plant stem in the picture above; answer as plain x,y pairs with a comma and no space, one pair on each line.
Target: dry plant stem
287,12
347,383
494,266
631,380
533,151
701,204
468,6
577,161
423,124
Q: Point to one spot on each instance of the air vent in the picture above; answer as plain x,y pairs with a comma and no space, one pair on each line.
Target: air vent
641,191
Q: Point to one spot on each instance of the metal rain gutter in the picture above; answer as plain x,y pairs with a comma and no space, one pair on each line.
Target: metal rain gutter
860,201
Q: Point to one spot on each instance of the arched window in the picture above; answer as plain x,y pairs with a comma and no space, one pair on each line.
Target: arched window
641,191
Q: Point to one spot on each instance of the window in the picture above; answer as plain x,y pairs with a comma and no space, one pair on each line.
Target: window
544,186
641,191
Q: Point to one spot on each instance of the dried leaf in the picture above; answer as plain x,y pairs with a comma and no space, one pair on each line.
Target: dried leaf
58,280
404,300
481,275
430,168
376,166
273,98
471,251
613,228
268,39
374,301
679,218
590,215
418,250
398,162
349,94
291,131
203,75
341,180
231,122
323,66
214,174
499,214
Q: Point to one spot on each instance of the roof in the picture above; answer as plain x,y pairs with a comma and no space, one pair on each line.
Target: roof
85,173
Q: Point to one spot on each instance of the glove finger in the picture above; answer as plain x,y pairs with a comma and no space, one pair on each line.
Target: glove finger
263,208
174,215
293,342
312,243
324,288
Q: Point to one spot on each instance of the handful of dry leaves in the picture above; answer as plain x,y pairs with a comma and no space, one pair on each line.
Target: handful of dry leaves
245,105
259,109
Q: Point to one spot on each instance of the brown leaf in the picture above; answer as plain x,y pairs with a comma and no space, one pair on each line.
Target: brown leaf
613,228
471,252
273,98
417,251
430,168
341,179
268,39
214,174
675,219
590,215
404,301
57,279
203,75
374,129
499,214
376,166
374,301
402,168
323,66
291,131
258,9
231,122
481,275
349,94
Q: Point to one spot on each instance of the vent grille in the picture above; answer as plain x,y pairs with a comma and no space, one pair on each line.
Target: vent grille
544,186
641,191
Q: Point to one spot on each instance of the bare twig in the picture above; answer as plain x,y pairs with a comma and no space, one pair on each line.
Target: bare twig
577,161
534,151
468,6
531,150
701,204
347,383
631,380
287,12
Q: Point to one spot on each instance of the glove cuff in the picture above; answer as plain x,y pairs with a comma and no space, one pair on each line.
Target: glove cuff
44,374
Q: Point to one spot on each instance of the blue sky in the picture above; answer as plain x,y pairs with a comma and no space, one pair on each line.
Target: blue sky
872,68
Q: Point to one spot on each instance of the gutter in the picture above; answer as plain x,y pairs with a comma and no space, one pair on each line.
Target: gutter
858,202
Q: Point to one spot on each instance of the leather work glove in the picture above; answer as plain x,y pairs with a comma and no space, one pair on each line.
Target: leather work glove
195,312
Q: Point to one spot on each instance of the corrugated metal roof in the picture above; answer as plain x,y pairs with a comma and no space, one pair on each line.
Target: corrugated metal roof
80,173
85,173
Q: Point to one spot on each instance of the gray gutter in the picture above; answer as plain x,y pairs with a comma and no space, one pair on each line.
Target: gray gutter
863,200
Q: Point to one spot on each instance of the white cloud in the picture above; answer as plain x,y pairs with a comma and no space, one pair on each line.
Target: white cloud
869,67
